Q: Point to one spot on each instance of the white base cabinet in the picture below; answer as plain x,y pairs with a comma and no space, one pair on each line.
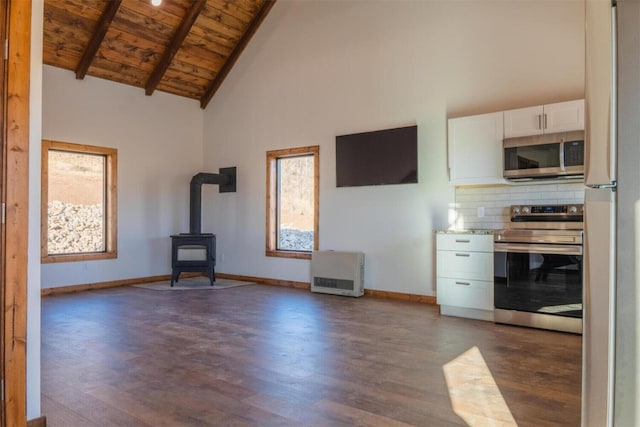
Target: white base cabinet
465,275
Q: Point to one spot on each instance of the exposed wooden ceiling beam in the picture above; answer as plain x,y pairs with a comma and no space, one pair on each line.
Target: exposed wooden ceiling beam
242,43
179,36
96,38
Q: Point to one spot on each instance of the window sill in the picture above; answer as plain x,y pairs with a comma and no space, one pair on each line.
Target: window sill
78,257
289,254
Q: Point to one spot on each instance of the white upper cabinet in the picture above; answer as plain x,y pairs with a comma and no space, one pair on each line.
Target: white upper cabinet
475,149
550,118
564,116
523,121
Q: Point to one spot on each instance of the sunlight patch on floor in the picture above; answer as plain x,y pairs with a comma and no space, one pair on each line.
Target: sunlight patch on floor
474,394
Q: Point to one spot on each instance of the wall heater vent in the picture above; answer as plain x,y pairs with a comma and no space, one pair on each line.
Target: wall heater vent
339,273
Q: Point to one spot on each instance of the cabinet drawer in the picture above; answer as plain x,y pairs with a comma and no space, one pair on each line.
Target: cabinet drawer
465,293
470,265
465,242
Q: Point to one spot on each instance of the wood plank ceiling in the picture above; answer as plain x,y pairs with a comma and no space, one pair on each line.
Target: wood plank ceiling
183,47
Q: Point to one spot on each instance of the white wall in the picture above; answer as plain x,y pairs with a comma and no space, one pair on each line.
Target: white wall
33,251
315,70
159,142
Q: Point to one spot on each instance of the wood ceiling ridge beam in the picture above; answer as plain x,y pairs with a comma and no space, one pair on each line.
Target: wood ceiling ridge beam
242,43
96,38
172,48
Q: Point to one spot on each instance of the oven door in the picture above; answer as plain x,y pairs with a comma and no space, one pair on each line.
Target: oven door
538,278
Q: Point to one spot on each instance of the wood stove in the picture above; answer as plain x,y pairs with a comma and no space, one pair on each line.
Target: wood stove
196,251
193,253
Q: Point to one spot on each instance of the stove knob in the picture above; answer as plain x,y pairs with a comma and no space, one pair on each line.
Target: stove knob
516,210
525,209
573,209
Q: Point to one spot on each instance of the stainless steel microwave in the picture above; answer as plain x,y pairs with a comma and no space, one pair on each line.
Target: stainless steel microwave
556,155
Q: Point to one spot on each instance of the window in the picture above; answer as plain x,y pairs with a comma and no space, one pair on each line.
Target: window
292,202
79,209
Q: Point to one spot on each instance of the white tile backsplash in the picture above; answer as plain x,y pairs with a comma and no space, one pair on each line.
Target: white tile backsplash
497,200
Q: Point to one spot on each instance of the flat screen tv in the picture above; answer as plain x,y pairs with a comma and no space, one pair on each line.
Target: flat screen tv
381,157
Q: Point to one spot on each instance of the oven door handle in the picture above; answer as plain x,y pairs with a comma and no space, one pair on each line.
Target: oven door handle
535,248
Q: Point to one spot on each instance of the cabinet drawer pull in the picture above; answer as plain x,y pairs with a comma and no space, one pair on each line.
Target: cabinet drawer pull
463,283
465,255
463,240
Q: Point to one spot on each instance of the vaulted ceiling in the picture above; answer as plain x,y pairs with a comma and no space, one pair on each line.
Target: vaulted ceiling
183,47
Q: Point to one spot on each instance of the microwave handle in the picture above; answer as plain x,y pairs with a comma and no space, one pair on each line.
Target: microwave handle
562,168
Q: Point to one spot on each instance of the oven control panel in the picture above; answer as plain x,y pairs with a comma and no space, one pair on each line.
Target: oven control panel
553,217
546,211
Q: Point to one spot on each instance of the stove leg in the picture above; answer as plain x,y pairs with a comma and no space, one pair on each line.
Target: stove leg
174,277
212,276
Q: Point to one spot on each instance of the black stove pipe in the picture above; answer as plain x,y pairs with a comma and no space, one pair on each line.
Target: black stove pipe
227,184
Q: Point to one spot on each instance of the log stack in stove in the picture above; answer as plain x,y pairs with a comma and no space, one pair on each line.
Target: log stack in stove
196,251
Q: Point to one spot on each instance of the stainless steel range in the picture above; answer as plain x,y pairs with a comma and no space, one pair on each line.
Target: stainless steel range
538,268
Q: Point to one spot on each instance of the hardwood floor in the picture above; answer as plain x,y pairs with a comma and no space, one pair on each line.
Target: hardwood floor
269,356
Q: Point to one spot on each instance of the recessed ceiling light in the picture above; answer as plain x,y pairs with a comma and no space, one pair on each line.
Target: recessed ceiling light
156,2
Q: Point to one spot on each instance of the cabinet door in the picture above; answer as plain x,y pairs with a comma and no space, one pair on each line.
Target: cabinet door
564,116
550,118
475,149
523,122
464,242
465,293
467,265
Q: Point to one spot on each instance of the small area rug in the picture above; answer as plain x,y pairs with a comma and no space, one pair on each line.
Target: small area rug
193,283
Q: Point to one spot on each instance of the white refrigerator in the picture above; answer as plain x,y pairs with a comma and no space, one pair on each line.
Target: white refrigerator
626,381
600,214
611,337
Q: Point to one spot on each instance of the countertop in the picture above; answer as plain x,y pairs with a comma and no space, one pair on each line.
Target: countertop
470,231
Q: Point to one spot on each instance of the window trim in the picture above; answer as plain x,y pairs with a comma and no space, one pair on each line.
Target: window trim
111,202
271,200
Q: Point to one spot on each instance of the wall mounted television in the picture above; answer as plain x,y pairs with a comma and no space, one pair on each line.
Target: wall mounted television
380,157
